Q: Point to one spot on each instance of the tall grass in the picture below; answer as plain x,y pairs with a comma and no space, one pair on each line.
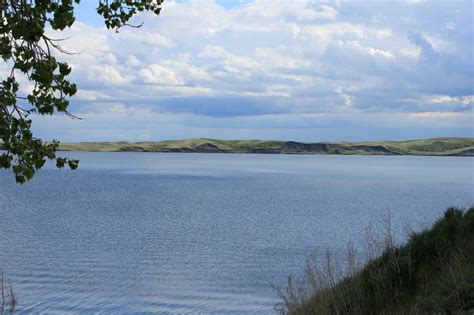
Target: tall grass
432,273
7,297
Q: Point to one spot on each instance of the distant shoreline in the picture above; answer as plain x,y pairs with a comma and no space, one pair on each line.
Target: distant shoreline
426,147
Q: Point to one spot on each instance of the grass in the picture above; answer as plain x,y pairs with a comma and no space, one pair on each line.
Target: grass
432,273
239,146
437,146
7,297
432,146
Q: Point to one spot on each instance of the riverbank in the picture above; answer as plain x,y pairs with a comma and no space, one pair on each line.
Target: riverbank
432,273
430,147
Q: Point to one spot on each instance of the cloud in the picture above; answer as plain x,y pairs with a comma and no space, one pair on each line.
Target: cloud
138,123
109,75
159,75
270,61
428,54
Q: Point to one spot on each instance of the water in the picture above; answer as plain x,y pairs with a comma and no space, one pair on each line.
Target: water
209,233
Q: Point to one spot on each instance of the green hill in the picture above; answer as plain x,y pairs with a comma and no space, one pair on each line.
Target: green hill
437,146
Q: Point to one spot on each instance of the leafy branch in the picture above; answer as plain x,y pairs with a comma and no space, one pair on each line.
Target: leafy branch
28,51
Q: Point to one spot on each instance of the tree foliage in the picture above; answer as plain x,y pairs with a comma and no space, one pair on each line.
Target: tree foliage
45,88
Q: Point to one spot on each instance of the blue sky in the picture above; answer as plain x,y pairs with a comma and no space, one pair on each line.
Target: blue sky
300,70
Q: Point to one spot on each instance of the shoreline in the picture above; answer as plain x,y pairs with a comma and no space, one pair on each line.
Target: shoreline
286,153
427,147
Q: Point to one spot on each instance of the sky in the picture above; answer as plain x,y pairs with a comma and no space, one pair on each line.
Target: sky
288,70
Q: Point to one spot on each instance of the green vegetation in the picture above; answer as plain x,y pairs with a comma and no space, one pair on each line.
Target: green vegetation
36,82
433,273
437,146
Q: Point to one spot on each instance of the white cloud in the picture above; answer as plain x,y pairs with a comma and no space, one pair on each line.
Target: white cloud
410,52
271,58
109,75
369,50
280,58
327,32
157,74
148,39
450,26
88,95
132,61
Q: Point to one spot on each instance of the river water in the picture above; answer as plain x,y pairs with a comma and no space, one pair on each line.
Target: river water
202,233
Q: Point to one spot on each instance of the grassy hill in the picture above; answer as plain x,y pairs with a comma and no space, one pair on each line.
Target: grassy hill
431,274
437,146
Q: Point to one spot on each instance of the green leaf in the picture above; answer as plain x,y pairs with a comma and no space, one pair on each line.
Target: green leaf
60,162
73,164
26,50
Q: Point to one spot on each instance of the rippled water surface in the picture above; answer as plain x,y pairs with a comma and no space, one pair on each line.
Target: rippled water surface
210,233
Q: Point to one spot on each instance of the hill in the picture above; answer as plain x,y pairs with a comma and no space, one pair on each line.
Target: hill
436,146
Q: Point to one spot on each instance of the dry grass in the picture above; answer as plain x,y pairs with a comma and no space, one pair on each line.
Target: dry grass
432,273
7,297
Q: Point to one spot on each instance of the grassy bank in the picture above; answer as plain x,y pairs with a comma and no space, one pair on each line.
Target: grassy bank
438,146
432,273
